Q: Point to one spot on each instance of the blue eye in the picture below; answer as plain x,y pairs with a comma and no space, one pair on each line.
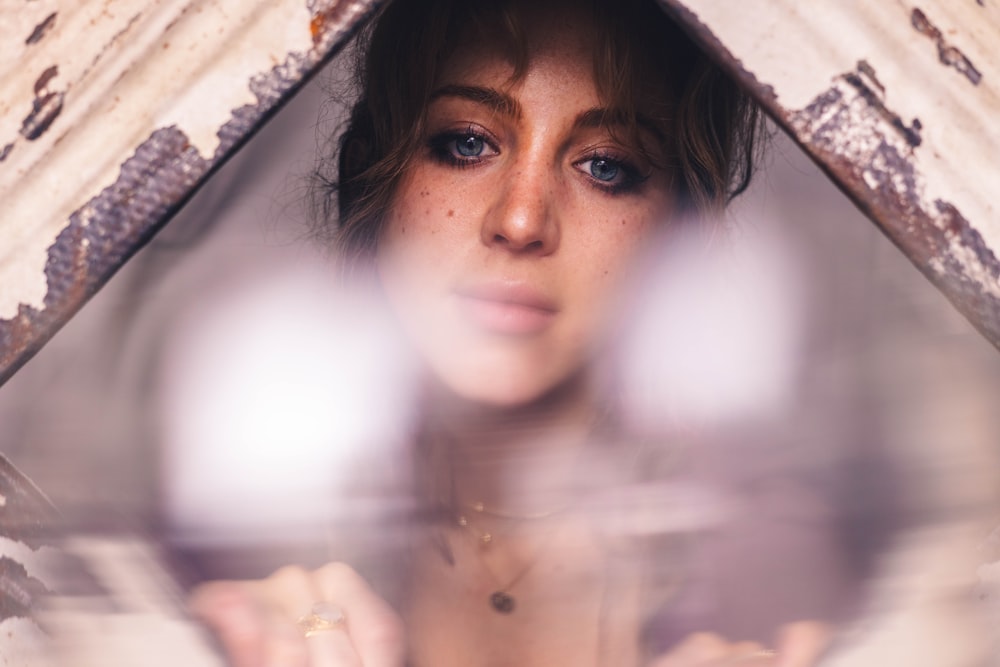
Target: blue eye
603,170
469,146
611,174
465,148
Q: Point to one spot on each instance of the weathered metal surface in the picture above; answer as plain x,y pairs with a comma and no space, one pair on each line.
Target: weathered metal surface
897,101
27,517
111,114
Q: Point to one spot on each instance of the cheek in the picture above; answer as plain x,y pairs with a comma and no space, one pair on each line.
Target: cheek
419,248
615,245
605,277
400,245
420,224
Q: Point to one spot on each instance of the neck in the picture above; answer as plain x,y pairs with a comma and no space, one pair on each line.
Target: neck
513,459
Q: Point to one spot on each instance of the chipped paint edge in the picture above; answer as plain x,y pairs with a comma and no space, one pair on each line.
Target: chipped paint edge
153,184
934,235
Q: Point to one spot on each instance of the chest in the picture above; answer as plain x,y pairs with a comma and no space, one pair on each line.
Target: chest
568,601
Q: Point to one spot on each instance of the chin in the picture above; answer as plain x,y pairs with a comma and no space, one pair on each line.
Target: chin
495,390
505,387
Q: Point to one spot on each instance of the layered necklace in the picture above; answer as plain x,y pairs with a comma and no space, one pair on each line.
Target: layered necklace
501,599
483,523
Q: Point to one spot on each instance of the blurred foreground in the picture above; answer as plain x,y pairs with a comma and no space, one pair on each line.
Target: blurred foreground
182,421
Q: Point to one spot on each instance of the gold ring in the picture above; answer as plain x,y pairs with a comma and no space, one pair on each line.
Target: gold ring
323,617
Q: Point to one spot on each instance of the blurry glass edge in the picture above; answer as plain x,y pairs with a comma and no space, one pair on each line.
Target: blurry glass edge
31,329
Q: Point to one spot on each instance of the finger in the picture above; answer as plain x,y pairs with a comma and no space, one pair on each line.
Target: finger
284,645
230,613
374,629
332,648
253,619
697,649
328,643
288,595
801,644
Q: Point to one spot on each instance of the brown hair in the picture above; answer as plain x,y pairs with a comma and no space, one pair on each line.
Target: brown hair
711,125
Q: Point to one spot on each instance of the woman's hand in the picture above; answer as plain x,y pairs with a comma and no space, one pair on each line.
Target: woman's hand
798,645
256,621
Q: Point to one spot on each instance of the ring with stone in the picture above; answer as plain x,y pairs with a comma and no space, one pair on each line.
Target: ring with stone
322,617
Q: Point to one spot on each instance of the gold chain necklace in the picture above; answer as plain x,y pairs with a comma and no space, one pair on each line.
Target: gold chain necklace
501,599
485,538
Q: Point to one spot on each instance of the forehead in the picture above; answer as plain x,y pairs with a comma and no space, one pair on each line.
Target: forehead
618,69
560,34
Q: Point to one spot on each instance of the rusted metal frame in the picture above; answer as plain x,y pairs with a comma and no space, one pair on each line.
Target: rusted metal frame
155,177
26,516
850,128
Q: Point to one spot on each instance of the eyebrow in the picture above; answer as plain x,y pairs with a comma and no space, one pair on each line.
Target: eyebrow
489,97
502,103
598,117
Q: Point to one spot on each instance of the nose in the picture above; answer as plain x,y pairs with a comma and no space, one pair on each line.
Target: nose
524,215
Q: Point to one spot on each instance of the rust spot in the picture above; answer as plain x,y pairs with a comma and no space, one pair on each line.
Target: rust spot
874,164
322,22
43,81
869,72
5,151
44,110
40,29
859,80
947,54
955,225
952,220
316,26
325,23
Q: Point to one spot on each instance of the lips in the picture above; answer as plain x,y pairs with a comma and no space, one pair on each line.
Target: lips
507,308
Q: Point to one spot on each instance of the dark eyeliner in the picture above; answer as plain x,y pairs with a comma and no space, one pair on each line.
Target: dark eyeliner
632,177
443,147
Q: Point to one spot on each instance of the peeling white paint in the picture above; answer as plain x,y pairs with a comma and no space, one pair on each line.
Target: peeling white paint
800,49
24,644
127,68
40,564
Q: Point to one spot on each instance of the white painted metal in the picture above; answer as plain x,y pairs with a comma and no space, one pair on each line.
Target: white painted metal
124,68
934,70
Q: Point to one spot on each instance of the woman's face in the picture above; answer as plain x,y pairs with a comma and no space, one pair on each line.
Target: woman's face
517,219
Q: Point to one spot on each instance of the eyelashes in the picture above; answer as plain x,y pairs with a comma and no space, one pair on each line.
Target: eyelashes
611,173
465,148
472,146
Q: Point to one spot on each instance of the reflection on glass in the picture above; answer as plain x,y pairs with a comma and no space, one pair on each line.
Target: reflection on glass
551,403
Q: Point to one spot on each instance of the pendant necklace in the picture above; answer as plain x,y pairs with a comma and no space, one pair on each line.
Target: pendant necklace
501,600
